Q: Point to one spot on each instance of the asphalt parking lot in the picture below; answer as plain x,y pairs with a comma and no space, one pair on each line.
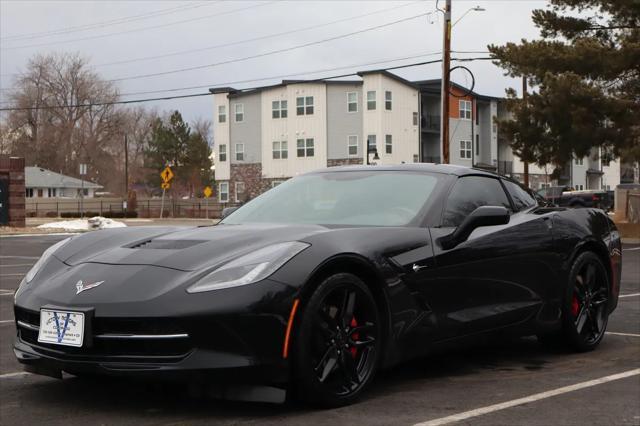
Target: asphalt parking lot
483,385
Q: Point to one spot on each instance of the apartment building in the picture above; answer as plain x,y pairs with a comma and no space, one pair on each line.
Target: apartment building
266,135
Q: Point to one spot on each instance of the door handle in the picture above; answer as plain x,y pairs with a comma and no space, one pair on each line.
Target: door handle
417,268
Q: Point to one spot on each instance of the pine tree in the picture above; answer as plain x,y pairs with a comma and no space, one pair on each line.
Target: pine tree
585,75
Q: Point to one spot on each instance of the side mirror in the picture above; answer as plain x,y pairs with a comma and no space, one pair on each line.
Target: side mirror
482,216
227,211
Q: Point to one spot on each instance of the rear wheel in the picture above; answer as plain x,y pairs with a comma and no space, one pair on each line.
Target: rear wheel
585,310
338,343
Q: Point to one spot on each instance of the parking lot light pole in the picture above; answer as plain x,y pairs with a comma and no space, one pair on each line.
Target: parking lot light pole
373,151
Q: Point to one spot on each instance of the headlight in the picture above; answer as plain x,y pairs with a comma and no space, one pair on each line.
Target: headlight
249,268
43,259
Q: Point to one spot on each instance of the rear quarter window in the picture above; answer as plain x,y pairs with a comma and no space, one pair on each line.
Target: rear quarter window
521,198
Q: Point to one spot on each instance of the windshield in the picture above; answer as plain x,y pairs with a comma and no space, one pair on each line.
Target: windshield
367,198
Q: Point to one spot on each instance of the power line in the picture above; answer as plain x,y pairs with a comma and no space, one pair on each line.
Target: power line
273,77
228,12
193,95
116,21
280,76
272,52
248,40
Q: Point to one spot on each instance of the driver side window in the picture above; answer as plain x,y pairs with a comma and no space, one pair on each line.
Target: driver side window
469,193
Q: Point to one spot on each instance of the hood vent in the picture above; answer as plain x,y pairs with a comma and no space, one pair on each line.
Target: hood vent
160,244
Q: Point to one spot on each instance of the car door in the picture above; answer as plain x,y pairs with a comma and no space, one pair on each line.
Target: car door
492,279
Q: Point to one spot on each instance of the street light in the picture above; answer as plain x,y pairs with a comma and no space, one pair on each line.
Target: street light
473,9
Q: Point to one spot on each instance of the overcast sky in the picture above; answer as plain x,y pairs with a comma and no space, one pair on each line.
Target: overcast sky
116,31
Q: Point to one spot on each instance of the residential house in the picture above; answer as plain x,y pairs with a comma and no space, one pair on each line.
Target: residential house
43,183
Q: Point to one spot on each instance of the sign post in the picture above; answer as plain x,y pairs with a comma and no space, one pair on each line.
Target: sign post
166,176
207,193
83,172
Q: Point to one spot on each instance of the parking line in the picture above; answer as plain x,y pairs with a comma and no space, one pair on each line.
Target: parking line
527,399
629,295
20,257
16,265
631,249
16,374
622,334
12,275
6,321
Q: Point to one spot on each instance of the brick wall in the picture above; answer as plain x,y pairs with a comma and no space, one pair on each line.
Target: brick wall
251,175
344,162
12,170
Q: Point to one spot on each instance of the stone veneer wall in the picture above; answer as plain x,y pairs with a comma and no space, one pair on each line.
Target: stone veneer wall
12,171
344,162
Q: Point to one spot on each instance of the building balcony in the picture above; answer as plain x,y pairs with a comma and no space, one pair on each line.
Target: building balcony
431,123
505,167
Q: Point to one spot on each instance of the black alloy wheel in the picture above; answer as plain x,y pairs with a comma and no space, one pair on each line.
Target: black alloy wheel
339,342
586,308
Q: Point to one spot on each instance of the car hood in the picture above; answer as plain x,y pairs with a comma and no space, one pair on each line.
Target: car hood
185,249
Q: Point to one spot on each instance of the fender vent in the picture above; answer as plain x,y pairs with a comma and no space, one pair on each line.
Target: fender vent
165,244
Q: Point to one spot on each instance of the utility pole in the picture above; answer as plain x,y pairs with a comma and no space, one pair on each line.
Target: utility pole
524,149
125,198
446,66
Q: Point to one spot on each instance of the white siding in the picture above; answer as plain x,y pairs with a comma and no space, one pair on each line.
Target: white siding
611,175
292,128
398,122
221,137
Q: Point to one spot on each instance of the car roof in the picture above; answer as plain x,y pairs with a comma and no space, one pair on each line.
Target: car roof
448,169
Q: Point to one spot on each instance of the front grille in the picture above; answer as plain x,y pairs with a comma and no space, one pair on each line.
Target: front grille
115,339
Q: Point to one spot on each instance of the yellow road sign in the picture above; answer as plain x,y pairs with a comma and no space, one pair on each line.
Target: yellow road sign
165,185
166,174
207,191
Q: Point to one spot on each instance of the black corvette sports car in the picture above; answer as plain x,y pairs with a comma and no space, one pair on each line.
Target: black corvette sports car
320,282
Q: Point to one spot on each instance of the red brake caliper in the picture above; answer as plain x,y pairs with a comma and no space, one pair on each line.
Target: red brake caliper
354,336
575,306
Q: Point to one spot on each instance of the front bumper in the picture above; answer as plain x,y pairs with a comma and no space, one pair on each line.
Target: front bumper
237,339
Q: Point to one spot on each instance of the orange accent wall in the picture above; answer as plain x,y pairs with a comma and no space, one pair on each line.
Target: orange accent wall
454,107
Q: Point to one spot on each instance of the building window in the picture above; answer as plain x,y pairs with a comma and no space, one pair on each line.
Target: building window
371,100
223,191
477,144
579,161
239,192
371,142
305,147
304,105
280,150
388,144
222,114
353,145
465,109
279,109
51,192
415,118
222,153
352,101
239,108
387,100
239,152
580,187
465,149
29,193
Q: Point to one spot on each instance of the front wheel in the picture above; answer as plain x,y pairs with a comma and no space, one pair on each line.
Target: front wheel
585,310
338,343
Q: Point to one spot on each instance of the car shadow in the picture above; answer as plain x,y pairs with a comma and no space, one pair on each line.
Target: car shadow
151,401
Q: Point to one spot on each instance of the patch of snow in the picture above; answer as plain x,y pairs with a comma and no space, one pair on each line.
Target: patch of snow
91,224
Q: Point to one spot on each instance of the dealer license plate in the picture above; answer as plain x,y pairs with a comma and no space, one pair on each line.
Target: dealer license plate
61,327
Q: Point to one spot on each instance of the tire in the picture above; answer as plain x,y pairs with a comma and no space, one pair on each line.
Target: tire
585,307
333,366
